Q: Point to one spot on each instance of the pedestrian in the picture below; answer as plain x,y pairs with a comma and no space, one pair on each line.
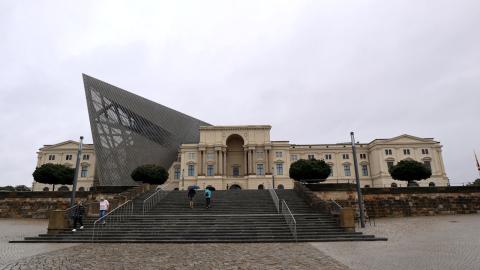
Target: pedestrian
104,206
78,213
191,195
208,196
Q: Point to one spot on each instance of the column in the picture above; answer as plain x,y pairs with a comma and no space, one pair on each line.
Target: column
249,162
220,165
202,159
245,162
225,162
217,163
267,162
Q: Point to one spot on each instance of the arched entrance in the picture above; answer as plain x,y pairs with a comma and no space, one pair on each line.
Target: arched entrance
235,187
235,160
261,186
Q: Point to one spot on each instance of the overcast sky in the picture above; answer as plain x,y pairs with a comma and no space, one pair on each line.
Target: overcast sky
314,70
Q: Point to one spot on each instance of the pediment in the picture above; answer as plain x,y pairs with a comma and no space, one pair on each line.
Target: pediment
63,145
408,139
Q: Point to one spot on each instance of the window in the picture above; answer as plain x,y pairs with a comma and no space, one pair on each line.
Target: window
261,186
431,184
310,157
428,164
81,189
346,170
210,170
424,151
406,152
259,154
191,155
236,171
363,156
191,170
84,171
260,169
51,157
177,173
388,152
86,157
331,170
46,189
280,186
293,158
389,164
68,157
210,156
278,154
346,156
328,156
364,170
279,169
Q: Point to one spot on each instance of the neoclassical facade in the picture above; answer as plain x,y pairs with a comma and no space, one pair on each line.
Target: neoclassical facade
244,157
66,153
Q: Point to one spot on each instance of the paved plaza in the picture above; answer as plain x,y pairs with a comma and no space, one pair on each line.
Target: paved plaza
440,242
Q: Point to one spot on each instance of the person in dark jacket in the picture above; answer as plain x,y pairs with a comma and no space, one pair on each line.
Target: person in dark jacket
78,213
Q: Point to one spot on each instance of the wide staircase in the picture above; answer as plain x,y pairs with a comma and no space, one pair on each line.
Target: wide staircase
235,216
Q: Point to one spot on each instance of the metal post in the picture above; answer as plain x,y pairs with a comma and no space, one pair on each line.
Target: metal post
183,179
77,168
273,179
359,191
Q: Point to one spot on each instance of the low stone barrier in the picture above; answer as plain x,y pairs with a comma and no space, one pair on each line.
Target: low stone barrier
396,202
39,204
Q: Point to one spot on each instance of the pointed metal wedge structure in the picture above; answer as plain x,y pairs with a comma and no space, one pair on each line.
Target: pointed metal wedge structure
129,131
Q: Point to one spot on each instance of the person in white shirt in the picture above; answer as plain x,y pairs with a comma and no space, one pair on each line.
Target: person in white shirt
104,205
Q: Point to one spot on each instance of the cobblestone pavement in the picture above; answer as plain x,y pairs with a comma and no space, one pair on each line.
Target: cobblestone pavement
182,256
438,242
17,229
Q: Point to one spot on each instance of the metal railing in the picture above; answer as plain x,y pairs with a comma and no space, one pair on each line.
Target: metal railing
335,208
153,199
290,219
275,199
118,214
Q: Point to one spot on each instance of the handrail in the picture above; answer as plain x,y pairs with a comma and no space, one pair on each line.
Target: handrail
336,206
290,219
275,199
117,214
153,199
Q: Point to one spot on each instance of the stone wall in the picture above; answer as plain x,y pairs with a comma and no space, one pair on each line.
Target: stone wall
396,202
39,204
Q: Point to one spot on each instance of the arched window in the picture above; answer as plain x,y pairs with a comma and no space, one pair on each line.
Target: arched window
280,187
63,188
394,185
431,184
81,189
366,186
261,186
46,189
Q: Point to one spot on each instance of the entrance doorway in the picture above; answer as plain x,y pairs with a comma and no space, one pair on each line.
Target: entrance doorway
235,187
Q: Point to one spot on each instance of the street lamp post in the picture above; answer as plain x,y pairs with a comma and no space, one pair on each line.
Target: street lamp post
273,178
183,179
77,168
359,191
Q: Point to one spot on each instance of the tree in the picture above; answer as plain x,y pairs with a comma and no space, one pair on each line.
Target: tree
54,174
411,171
474,183
150,173
310,171
22,188
7,189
